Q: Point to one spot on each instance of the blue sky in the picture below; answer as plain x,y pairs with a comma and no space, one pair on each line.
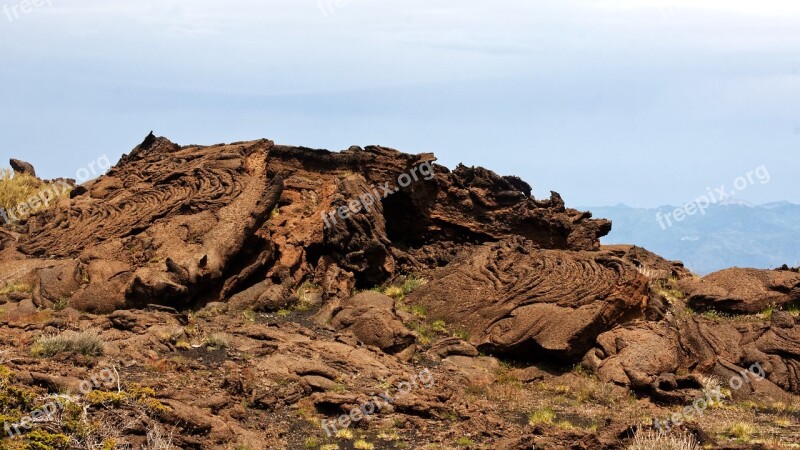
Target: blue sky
617,101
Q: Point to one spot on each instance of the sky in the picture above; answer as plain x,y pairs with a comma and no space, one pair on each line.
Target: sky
639,102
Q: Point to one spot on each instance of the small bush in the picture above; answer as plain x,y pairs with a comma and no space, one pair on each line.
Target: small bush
395,292
363,445
439,326
541,416
413,283
345,434
87,343
44,440
157,438
767,313
17,188
464,441
668,289
741,431
651,440
16,287
217,341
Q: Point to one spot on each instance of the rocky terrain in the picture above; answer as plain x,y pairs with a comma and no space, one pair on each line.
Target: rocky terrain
259,296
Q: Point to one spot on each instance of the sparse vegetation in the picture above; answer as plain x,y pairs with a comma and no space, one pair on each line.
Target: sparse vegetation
709,314
158,439
651,440
741,431
305,300
465,441
16,287
395,292
410,284
439,326
17,188
249,315
87,343
712,388
77,424
668,289
767,313
389,435
361,444
173,335
61,305
345,434
217,341
541,416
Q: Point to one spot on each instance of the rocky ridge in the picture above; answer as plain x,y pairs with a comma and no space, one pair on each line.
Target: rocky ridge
224,282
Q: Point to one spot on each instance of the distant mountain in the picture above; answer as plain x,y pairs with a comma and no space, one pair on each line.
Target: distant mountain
727,235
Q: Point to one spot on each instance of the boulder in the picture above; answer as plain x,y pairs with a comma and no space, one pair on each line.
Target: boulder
22,167
516,299
646,356
743,291
372,319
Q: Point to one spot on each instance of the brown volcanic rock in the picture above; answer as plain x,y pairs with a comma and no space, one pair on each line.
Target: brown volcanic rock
241,229
516,299
22,167
176,225
648,263
467,205
743,291
371,317
642,355
464,204
170,220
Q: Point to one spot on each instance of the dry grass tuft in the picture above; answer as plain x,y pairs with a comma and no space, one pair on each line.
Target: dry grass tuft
17,188
217,341
157,439
87,343
651,440
741,431
16,287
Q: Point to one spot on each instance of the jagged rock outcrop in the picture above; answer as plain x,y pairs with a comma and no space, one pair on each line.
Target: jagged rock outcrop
179,225
160,227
